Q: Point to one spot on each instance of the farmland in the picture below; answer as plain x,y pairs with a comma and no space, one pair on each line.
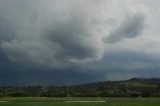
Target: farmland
78,101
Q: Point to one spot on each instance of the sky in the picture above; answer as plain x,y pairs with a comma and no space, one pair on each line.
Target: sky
61,42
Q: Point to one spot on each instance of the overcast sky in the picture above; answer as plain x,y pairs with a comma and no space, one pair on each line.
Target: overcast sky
78,41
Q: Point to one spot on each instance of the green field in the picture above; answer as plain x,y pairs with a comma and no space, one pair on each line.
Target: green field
76,98
77,104
74,103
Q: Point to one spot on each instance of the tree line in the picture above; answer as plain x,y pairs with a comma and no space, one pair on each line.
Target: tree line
135,87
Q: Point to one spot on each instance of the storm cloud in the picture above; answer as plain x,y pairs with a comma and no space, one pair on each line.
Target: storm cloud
43,41
51,36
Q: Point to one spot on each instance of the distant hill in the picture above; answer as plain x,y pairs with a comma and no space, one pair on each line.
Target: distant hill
135,87
145,80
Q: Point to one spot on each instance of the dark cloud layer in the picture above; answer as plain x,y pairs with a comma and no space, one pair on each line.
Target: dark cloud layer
118,66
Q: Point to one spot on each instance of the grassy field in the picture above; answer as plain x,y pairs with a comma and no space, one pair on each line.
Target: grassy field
74,104
77,104
75,98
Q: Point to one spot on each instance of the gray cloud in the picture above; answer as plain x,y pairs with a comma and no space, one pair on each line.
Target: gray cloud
131,27
71,41
55,34
52,36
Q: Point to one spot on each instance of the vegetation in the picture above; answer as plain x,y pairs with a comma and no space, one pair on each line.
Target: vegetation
76,104
73,98
131,88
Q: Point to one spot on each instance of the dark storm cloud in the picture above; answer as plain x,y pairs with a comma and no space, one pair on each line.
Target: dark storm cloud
75,40
127,61
131,27
14,74
125,65
50,36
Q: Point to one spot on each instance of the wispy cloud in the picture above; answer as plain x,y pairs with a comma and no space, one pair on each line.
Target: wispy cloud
131,27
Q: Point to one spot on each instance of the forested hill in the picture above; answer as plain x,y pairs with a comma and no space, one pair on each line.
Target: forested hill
135,87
